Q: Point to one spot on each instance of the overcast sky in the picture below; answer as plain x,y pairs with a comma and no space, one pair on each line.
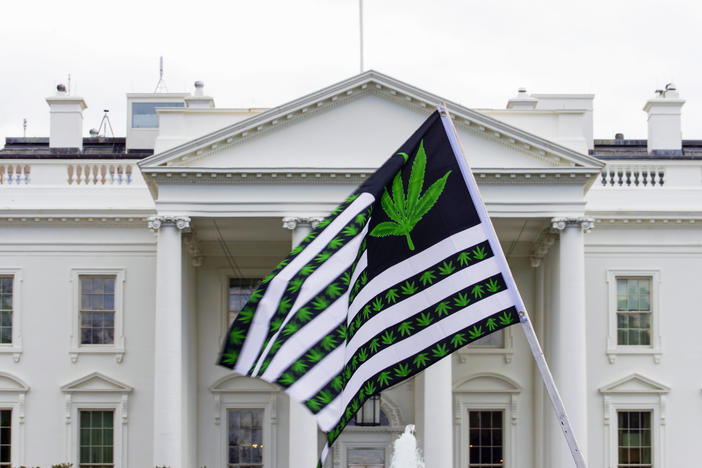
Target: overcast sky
264,53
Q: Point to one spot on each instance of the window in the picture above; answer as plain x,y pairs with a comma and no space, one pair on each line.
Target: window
96,439
6,309
493,340
97,315
370,414
633,313
485,439
634,422
144,113
5,438
634,439
97,309
245,448
240,289
365,457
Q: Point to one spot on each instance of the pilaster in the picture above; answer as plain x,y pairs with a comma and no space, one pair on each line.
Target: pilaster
169,385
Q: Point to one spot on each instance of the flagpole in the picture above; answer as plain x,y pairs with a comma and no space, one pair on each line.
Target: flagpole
527,327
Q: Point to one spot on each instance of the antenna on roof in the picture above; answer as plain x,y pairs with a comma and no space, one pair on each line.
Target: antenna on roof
104,125
69,84
161,85
24,128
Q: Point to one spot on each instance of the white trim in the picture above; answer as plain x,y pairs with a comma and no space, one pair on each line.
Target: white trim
13,397
647,396
15,348
114,396
118,347
252,394
655,350
502,395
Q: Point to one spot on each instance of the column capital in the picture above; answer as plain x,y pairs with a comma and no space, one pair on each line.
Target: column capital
582,222
292,222
182,223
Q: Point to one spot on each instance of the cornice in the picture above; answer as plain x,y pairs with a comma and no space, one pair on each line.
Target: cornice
647,220
175,175
72,220
353,88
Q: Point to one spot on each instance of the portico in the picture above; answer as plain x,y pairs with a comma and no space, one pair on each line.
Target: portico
241,196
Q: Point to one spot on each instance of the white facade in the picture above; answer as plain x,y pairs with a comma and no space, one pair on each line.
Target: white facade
575,219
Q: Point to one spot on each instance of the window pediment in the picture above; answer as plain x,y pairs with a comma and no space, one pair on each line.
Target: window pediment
96,382
487,383
10,383
240,383
635,383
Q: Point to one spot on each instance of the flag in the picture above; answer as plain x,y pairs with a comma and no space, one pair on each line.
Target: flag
404,272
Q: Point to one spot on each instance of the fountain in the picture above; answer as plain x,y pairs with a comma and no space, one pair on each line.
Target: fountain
405,453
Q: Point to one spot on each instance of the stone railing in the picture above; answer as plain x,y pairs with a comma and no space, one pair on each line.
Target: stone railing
14,173
69,173
633,175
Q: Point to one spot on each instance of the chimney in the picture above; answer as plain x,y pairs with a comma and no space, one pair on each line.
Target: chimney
664,123
198,100
522,101
66,116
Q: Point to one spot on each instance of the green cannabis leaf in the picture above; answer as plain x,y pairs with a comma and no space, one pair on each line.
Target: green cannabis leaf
406,211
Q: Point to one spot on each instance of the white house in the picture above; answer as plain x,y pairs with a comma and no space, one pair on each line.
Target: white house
123,260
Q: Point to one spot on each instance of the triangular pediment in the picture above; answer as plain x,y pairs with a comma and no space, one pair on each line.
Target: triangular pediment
241,383
635,383
96,382
487,383
10,383
356,125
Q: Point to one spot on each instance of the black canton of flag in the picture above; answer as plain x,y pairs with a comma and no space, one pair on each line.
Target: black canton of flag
399,276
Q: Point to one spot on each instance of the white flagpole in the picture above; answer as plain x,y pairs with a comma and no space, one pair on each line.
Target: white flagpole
523,316
360,16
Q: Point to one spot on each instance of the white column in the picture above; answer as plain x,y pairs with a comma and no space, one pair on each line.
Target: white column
303,449
568,338
438,414
169,417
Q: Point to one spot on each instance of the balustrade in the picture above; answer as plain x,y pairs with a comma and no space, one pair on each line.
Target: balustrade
14,174
633,176
99,174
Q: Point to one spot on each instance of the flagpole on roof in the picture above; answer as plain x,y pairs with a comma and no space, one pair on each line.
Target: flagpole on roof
527,327
360,16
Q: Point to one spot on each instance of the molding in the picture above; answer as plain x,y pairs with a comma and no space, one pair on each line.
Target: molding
13,394
352,88
646,386
585,223
113,396
675,221
506,351
655,350
15,218
15,348
504,396
117,349
182,223
541,247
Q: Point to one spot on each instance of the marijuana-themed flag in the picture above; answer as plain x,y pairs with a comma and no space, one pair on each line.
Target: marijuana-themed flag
406,271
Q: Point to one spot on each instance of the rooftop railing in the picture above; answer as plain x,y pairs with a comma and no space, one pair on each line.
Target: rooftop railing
69,173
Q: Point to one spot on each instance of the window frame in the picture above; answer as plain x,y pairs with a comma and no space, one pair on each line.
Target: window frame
613,348
78,439
117,349
621,410
81,395
237,392
13,392
487,392
634,393
14,348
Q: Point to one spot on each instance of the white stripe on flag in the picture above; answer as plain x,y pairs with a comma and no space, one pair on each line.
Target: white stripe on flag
416,264
269,303
411,345
318,377
316,282
300,342
420,301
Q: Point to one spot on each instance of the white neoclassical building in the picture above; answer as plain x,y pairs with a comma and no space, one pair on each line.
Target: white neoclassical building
123,260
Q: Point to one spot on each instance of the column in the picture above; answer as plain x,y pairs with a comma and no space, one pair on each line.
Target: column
437,414
169,416
567,333
303,450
